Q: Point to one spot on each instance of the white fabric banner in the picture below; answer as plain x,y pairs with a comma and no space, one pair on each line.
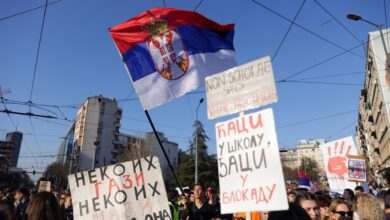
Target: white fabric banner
335,155
250,171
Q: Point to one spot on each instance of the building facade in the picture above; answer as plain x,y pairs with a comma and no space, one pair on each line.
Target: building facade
16,137
171,148
97,126
310,149
65,151
6,149
372,130
289,158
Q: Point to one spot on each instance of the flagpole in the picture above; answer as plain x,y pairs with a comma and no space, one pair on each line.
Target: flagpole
163,150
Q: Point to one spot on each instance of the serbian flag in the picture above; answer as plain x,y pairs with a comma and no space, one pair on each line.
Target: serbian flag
168,52
303,180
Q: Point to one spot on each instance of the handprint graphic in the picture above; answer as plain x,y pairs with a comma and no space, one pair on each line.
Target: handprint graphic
337,160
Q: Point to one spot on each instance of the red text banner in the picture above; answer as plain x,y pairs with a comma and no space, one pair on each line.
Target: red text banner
131,190
250,171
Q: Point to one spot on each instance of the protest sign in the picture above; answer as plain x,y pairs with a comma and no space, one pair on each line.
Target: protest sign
357,168
335,155
249,167
44,186
131,190
241,88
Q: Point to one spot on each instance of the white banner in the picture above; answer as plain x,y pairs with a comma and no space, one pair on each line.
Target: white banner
335,155
44,186
131,190
250,171
247,86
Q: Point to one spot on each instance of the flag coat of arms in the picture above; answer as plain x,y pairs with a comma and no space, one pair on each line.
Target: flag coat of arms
168,52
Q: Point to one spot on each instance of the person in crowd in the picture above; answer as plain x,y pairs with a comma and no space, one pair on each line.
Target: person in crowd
324,203
339,209
33,192
44,207
22,200
68,207
386,201
309,203
183,204
264,215
291,196
359,189
367,207
349,196
200,209
294,212
8,209
172,201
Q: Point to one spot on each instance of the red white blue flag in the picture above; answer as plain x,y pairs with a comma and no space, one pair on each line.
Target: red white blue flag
168,52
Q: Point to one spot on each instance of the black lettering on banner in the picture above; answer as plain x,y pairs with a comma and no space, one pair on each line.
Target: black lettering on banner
124,197
92,175
77,178
262,159
148,217
137,193
232,161
247,168
222,165
95,204
166,214
154,188
159,216
150,162
83,206
103,172
137,163
221,147
115,170
107,201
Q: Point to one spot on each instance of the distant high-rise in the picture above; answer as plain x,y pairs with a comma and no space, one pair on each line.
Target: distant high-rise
97,126
16,137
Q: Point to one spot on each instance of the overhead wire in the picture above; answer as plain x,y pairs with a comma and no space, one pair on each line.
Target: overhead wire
38,50
341,129
332,75
26,11
305,29
197,6
315,119
321,83
318,63
337,20
288,30
8,114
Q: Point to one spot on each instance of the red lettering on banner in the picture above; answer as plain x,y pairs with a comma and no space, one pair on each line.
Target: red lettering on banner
257,124
112,184
256,194
97,188
243,179
128,181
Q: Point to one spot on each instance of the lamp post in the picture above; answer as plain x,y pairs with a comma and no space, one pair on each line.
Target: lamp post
355,17
196,141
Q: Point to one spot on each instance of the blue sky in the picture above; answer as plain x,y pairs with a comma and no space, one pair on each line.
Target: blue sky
78,59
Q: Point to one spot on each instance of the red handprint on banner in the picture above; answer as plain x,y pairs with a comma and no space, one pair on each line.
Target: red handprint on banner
337,159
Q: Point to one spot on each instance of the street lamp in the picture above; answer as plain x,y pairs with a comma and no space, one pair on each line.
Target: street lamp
355,17
196,141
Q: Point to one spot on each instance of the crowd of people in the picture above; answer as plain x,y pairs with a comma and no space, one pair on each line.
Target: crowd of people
203,204
24,204
352,205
